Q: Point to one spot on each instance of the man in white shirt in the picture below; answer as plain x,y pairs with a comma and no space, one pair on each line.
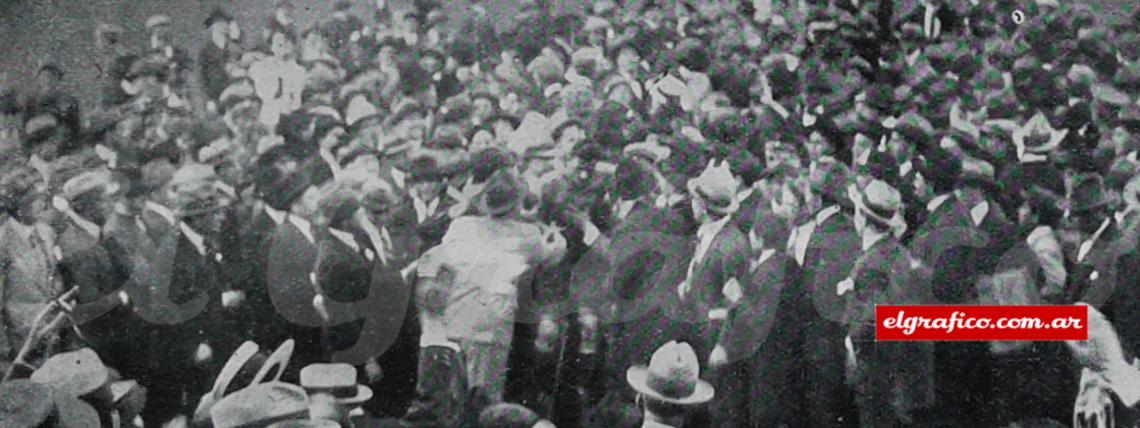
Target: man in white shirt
279,79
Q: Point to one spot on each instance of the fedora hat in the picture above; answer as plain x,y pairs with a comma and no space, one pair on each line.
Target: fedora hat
336,379
880,202
237,363
672,376
1037,136
716,187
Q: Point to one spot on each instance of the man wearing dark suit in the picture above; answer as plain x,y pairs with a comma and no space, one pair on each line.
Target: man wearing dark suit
290,279
646,243
351,268
824,249
963,237
51,117
892,380
189,345
755,378
212,58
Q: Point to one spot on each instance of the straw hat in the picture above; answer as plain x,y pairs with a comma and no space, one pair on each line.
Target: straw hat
672,376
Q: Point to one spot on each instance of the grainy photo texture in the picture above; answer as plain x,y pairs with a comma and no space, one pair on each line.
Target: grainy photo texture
571,213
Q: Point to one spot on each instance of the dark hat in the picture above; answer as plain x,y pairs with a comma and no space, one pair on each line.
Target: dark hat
693,54
502,194
52,68
633,179
217,15
343,6
486,162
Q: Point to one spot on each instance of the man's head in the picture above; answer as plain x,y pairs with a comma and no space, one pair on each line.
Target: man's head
158,28
49,77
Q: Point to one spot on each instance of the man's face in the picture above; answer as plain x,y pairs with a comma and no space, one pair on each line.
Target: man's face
627,60
36,208
220,29
160,33
48,80
281,45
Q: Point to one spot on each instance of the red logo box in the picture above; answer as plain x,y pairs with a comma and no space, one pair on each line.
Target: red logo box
980,323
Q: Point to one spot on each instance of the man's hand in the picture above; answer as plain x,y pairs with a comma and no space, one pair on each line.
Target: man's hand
203,354
232,299
372,371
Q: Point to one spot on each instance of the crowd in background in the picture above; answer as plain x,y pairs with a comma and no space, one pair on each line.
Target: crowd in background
748,178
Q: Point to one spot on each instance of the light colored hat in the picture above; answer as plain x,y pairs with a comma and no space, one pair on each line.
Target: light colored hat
1037,136
673,376
650,149
261,405
879,201
98,180
716,187
156,21
73,374
338,380
359,109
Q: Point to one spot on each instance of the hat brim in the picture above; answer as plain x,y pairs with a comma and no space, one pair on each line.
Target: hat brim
363,394
638,379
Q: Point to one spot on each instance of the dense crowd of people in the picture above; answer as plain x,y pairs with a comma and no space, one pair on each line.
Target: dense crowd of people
679,213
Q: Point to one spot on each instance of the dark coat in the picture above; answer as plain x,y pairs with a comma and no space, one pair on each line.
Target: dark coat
887,274
761,338
212,70
831,249
637,301
290,262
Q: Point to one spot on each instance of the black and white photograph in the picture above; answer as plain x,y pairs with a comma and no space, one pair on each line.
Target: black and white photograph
570,213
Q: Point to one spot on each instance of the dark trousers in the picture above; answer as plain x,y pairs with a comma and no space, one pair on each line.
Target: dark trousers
829,401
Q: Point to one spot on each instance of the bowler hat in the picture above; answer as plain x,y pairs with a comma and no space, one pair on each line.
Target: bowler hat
672,376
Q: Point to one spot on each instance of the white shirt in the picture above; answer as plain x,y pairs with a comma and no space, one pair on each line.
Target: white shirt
705,236
802,235
872,237
304,226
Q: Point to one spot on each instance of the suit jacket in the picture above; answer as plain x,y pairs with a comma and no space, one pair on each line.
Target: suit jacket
1103,276
88,265
826,251
639,273
727,258
289,274
962,238
886,274
248,273
212,68
28,281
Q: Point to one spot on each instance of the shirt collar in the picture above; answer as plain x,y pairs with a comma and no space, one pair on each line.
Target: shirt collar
304,226
345,238
194,237
624,208
938,201
1088,244
872,237
23,230
277,215
219,40
711,229
825,214
162,211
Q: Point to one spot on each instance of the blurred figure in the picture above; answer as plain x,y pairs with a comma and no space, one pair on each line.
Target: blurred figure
51,116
